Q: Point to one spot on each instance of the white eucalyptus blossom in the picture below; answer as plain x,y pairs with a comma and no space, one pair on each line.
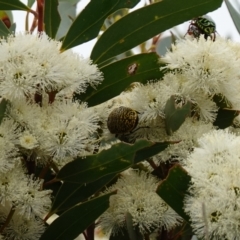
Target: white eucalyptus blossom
63,129
19,227
214,196
203,68
33,63
136,195
23,193
28,141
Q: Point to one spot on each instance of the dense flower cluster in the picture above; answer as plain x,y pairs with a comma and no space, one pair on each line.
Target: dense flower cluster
214,196
136,195
41,125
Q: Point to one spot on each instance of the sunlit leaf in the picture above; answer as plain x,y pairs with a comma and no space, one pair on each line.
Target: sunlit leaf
13,5
67,11
234,14
89,22
142,24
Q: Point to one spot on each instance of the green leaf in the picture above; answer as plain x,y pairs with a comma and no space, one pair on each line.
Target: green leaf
133,231
119,75
30,3
175,115
3,107
173,189
225,118
73,2
148,152
13,5
116,159
73,222
234,14
88,23
72,193
221,101
144,23
51,18
4,31
67,11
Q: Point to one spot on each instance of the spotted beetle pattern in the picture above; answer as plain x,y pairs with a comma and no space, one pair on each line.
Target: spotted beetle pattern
122,120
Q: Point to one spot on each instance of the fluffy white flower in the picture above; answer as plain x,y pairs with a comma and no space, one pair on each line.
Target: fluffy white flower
66,129
204,69
63,129
28,141
24,193
32,63
137,196
214,196
19,227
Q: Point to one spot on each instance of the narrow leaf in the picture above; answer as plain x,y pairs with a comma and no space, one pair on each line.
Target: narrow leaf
148,152
133,231
234,14
225,118
88,23
144,23
175,115
116,159
4,31
67,11
71,194
138,68
51,18
73,222
13,5
173,189
3,107
30,3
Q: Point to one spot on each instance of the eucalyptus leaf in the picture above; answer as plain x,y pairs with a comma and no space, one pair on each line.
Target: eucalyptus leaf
89,22
138,68
142,24
13,5
150,151
3,107
67,11
73,2
71,194
225,118
74,221
116,159
133,231
175,115
4,31
51,18
174,188
30,3
234,14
